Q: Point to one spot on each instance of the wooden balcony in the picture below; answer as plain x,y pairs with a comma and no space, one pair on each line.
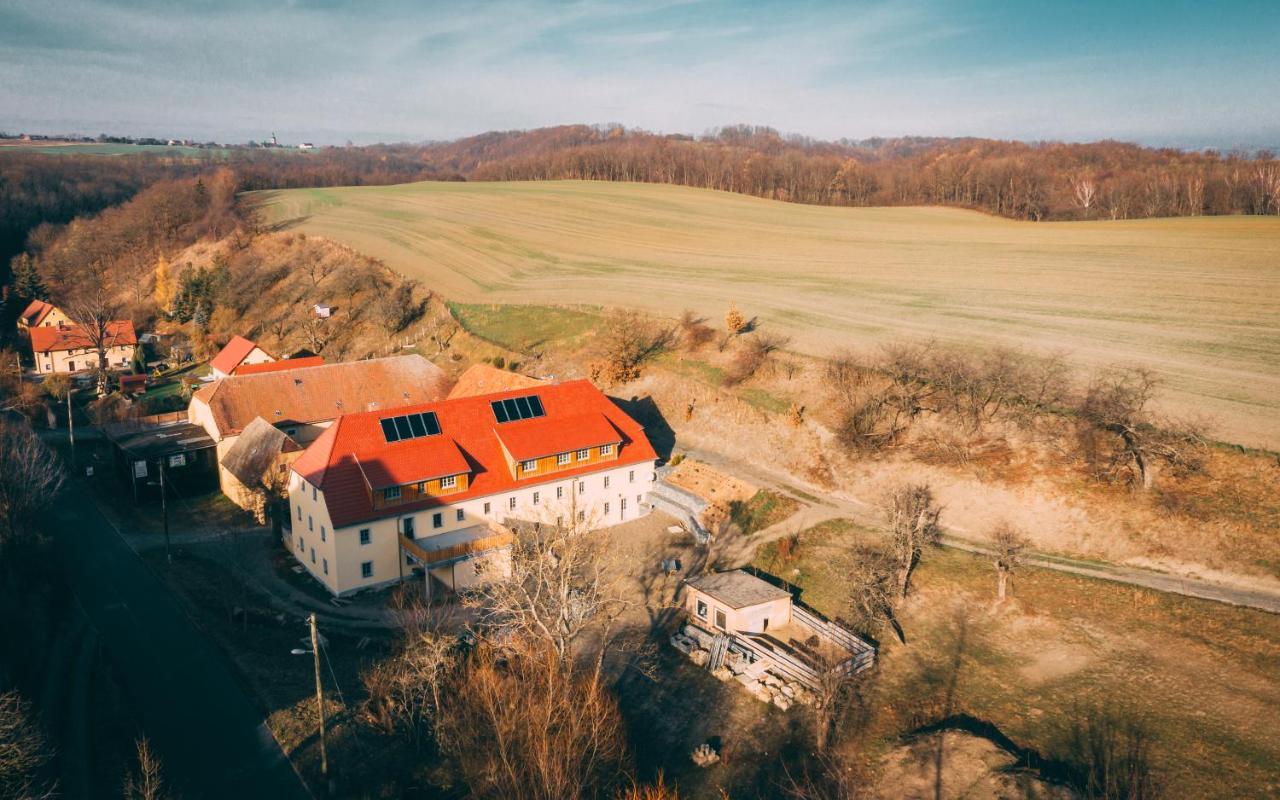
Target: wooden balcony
453,550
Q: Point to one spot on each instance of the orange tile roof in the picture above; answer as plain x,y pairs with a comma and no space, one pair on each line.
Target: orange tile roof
229,357
354,450
35,312
72,337
546,436
319,394
278,366
484,379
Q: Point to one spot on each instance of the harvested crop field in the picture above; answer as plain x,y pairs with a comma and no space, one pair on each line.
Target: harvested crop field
1197,299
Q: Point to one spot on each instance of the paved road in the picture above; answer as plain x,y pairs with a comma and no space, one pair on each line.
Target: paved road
209,732
833,506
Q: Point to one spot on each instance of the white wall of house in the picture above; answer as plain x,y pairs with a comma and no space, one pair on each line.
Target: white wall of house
82,358
753,619
602,499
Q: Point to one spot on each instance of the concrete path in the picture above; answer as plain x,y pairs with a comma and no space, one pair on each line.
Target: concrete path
209,731
832,506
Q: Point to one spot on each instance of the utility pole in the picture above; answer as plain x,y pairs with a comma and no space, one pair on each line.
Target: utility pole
71,430
164,510
315,651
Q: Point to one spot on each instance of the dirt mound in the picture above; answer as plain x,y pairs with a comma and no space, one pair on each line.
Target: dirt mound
954,764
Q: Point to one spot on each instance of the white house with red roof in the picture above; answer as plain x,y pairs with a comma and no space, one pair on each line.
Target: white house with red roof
384,493
39,314
69,348
239,352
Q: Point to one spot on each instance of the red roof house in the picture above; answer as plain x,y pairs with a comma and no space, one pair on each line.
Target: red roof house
237,353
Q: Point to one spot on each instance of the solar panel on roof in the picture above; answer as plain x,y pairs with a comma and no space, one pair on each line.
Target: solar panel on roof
410,426
415,423
389,430
514,409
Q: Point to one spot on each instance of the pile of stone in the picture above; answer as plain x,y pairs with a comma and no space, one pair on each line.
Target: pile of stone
754,676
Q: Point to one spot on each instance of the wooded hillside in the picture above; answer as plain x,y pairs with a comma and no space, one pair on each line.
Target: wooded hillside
1051,180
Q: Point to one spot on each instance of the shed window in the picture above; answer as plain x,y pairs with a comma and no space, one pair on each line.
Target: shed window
702,609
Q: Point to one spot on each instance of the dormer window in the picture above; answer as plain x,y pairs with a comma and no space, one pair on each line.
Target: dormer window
563,458
449,482
583,455
391,493
529,466
606,449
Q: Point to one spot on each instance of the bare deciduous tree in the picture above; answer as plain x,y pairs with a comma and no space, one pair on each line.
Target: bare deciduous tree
1008,546
24,753
1117,402
1084,189
30,476
561,583
93,307
147,781
521,725
870,590
914,525
631,339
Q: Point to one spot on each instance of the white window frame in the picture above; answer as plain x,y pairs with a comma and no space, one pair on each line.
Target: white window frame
391,493
563,458
449,482
701,608
606,449
584,454
529,466
366,537
366,569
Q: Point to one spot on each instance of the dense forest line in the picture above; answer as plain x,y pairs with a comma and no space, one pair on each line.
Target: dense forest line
1034,181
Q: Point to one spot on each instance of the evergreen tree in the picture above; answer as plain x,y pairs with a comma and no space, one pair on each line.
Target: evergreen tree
27,282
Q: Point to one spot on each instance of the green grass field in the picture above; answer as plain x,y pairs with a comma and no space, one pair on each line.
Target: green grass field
1197,299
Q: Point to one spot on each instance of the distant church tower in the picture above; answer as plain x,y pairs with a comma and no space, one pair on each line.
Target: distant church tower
274,143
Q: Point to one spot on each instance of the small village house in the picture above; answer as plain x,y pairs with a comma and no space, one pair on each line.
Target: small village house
38,314
67,348
484,379
301,397
322,311
737,601
430,486
237,353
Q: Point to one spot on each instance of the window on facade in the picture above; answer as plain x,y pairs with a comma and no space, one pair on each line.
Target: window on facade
437,520
461,515
313,555
583,455
487,510
606,481
606,508
721,622
622,504
702,609
366,569
529,466
311,523
301,544
313,493
559,492
631,476
512,503
448,481
606,449
536,497
325,562
582,516
582,487
322,534
407,527
299,512
365,536
391,493
562,459
421,487
638,500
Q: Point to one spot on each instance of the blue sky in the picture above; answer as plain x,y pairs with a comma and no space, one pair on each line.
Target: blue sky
1189,74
